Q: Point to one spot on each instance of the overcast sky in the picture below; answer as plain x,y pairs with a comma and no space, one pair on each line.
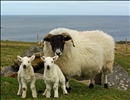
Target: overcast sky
65,7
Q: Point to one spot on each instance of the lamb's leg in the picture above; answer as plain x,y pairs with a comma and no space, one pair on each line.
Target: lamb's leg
104,79
63,88
48,91
44,94
67,84
91,85
24,88
33,88
20,86
55,87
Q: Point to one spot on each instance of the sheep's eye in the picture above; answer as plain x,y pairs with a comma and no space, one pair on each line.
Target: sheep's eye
28,61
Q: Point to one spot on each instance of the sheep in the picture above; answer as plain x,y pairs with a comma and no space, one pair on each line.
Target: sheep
81,53
25,75
52,76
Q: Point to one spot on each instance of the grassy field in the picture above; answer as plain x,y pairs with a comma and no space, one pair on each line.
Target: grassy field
10,50
122,56
80,91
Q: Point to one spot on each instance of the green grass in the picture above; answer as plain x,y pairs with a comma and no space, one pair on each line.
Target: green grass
10,50
122,57
79,91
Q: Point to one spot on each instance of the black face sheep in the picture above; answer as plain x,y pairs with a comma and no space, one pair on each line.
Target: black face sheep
25,75
53,76
85,53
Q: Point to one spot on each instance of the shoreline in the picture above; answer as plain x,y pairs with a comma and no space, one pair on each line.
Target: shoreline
118,42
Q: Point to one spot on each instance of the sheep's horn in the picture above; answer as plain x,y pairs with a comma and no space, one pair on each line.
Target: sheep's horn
68,35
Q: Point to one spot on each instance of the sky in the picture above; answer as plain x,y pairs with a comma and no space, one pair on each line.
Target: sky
65,8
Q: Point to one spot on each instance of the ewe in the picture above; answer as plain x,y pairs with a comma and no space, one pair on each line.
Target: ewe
25,75
53,76
84,53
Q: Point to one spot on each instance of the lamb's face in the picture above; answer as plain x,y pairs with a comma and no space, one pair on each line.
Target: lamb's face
26,61
49,61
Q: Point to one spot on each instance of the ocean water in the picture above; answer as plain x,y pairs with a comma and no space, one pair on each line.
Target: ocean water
27,28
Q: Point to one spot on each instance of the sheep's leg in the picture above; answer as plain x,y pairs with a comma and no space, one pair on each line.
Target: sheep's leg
33,88
67,84
24,88
64,89
55,87
48,91
104,79
91,85
20,87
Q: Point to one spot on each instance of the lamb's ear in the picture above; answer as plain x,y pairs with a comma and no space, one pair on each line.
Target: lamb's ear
55,58
32,57
19,58
43,58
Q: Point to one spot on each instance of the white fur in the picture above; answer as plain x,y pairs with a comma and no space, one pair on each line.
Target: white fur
52,77
93,53
26,75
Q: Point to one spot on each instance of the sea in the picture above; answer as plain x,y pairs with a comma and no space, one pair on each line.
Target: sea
32,28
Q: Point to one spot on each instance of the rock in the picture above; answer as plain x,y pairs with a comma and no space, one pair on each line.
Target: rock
32,50
119,78
7,71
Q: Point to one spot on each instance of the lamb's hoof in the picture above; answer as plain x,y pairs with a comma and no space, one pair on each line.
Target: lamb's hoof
68,89
23,97
56,97
106,85
19,94
91,86
35,97
66,94
43,95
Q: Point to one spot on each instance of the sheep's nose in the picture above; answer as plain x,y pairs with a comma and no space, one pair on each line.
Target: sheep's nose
24,66
58,53
48,67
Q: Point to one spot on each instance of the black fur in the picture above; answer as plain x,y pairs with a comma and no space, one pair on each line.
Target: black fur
68,89
91,86
106,86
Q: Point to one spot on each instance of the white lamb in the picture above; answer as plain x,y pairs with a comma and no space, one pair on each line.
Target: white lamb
53,76
25,75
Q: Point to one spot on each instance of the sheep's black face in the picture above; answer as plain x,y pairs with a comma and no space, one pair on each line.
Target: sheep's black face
57,43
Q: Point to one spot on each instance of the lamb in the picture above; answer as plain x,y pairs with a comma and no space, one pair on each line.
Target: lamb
52,76
25,75
81,53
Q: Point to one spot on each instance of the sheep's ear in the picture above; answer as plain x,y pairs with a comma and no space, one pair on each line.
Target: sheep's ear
55,58
19,58
32,57
43,58
47,38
